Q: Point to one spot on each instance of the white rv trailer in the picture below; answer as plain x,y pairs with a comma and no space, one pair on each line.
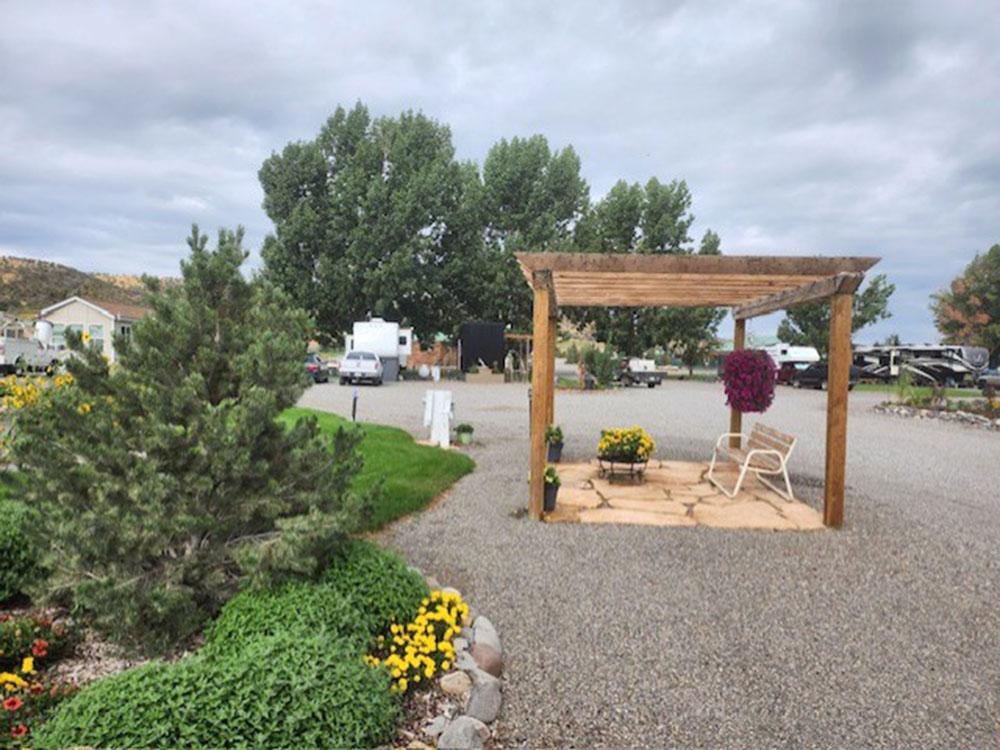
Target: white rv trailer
941,364
782,353
388,340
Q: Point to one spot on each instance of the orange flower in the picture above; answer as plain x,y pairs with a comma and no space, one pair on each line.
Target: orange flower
40,647
13,703
19,731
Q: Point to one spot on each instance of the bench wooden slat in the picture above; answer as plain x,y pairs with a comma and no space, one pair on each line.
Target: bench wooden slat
773,433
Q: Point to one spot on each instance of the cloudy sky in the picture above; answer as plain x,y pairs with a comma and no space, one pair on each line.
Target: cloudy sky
866,128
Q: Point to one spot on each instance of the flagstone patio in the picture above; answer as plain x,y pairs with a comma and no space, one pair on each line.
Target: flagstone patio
676,493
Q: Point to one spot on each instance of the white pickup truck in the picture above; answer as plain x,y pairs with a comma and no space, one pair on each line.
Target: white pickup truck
19,356
361,367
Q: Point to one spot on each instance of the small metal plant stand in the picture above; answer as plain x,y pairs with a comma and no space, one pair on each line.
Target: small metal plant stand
617,469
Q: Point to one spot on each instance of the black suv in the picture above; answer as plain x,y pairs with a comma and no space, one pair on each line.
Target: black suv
814,376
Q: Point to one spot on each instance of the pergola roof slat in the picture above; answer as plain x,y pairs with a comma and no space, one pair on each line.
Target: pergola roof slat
634,280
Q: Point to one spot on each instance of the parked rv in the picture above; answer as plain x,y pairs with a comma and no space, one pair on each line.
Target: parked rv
930,364
385,339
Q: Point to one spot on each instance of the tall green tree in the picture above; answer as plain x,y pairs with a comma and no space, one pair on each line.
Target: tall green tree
376,217
968,312
651,218
809,324
156,482
533,198
691,333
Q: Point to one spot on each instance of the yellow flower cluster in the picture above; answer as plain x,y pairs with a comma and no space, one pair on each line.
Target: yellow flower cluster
21,393
416,652
12,682
626,444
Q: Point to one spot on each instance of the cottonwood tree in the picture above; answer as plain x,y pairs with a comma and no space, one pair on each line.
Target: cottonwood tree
376,216
158,481
533,198
809,324
654,218
968,312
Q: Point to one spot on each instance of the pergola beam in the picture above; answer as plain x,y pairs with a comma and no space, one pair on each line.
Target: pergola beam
842,283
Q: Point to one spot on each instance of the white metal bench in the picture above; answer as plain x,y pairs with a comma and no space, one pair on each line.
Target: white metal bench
766,452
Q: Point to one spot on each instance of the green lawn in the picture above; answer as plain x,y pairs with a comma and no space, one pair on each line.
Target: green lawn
921,391
414,474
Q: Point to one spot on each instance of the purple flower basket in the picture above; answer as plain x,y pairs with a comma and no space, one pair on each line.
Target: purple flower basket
749,376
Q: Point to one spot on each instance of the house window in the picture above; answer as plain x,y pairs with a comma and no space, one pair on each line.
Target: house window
59,334
97,337
125,330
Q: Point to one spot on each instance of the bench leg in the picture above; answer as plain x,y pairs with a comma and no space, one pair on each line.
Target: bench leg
717,483
787,493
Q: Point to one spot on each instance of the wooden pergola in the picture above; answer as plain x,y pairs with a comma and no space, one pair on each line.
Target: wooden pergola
750,285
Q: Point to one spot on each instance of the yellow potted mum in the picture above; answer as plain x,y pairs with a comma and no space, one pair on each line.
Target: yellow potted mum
624,450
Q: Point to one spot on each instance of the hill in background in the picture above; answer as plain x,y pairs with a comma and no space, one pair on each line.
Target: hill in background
27,286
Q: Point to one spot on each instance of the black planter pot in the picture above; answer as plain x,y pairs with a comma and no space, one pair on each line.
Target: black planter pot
555,452
551,490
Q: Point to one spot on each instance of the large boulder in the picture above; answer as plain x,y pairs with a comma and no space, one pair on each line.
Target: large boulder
464,733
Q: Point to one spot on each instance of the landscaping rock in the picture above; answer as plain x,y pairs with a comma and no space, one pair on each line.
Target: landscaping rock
432,583
484,701
465,662
435,726
479,676
465,733
452,591
460,644
485,633
456,685
487,658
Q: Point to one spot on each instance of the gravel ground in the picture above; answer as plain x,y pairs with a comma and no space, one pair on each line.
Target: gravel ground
884,634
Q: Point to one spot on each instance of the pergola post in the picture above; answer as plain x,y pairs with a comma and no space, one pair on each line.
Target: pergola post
542,365
837,381
735,415
553,330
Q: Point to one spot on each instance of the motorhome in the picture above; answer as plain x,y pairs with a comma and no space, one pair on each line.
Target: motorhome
940,364
388,340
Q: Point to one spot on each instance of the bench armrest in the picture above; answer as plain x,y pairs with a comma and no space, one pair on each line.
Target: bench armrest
723,436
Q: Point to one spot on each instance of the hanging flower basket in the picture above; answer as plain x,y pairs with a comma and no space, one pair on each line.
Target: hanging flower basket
749,376
624,451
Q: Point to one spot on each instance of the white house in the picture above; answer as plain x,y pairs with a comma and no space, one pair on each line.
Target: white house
97,318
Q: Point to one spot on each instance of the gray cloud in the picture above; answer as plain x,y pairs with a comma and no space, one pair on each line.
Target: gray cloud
854,128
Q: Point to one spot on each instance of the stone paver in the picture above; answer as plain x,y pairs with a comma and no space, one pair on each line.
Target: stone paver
642,517
675,494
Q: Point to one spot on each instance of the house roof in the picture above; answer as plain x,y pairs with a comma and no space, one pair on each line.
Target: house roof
114,310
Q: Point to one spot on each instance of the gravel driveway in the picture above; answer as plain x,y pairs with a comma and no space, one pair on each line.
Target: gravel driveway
885,634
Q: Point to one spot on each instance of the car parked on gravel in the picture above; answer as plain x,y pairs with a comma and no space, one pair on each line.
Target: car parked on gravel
361,367
815,376
989,380
788,370
317,369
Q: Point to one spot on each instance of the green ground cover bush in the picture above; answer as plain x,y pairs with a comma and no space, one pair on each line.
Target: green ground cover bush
411,474
361,595
280,668
287,690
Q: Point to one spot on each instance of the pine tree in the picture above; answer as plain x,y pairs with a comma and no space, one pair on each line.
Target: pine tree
159,480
